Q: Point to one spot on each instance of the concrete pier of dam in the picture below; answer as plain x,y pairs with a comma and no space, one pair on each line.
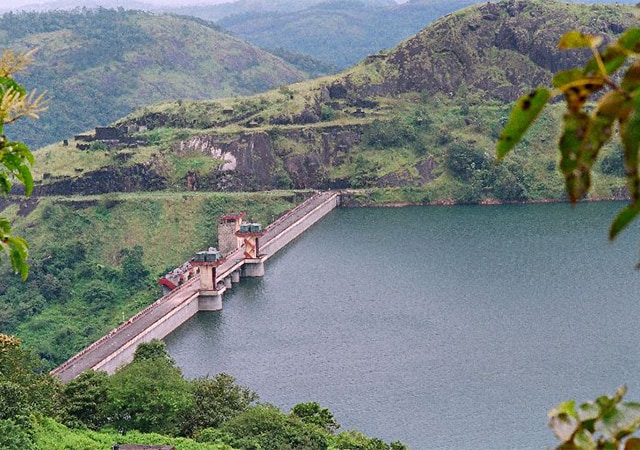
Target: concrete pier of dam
169,312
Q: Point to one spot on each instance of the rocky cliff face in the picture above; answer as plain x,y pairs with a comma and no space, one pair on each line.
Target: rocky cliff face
261,160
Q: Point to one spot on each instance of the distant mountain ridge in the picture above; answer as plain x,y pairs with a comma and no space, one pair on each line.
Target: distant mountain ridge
337,33
98,65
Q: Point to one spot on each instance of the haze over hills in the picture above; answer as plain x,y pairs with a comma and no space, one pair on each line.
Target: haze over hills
337,33
98,65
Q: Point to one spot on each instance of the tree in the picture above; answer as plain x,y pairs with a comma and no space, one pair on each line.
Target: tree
216,400
354,440
154,349
313,413
148,395
84,400
15,156
596,102
23,390
134,272
265,427
14,436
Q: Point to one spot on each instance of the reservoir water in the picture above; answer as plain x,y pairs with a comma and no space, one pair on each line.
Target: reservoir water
443,327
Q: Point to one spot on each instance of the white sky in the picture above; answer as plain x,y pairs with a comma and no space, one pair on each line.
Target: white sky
7,4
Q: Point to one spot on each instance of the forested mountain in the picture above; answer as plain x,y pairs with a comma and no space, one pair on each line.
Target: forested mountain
100,64
339,32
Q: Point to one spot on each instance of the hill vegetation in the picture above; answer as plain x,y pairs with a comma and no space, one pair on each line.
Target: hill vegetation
421,119
149,402
341,33
98,65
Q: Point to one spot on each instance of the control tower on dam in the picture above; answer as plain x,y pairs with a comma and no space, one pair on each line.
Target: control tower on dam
199,284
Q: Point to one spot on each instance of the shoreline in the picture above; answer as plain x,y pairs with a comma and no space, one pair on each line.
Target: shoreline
484,202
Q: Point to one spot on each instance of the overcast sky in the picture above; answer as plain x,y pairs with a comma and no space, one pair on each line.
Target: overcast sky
6,4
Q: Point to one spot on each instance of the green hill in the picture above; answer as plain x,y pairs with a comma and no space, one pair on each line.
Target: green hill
416,117
98,65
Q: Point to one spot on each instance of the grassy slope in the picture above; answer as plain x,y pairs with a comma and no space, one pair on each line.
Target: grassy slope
51,435
433,108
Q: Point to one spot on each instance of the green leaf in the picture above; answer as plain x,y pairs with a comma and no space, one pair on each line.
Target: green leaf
628,419
576,172
630,40
20,149
15,156
18,253
576,39
523,114
578,91
7,83
5,184
588,411
613,57
5,228
631,80
630,137
565,77
601,125
620,421
584,440
624,218
563,426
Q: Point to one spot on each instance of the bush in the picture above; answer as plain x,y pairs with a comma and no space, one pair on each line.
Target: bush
216,400
267,428
14,436
389,134
98,146
463,159
312,413
98,294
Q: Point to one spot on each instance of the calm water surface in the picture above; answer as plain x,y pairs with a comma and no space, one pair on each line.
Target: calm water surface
443,327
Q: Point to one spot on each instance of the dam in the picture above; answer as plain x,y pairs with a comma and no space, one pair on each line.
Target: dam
202,292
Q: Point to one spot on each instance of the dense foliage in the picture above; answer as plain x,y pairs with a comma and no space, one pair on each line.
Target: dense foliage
147,401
